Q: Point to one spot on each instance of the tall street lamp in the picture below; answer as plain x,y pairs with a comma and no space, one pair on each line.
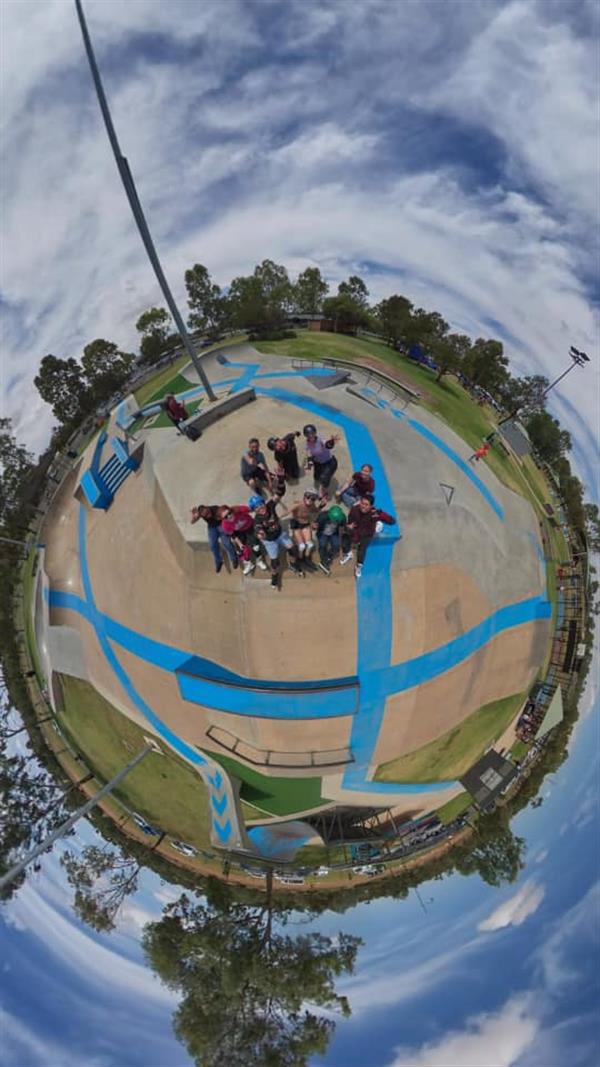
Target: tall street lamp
578,359
136,207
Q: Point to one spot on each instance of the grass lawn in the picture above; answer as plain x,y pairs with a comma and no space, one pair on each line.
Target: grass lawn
27,580
451,755
162,788
276,796
519,750
161,380
455,807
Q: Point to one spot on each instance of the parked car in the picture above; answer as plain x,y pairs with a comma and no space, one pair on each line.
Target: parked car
186,850
321,872
254,872
289,878
369,869
143,825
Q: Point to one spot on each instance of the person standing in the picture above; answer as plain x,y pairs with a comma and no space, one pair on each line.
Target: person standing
321,458
284,450
211,513
238,524
481,452
272,536
331,526
254,470
364,521
359,484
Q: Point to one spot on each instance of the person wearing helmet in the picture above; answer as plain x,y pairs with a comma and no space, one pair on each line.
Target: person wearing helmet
238,524
253,468
211,514
303,522
331,525
320,457
364,521
359,484
284,450
272,536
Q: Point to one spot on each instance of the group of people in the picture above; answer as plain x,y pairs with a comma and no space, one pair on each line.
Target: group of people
252,534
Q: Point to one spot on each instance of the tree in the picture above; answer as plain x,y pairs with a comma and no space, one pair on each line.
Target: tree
592,522
394,315
246,985
356,290
61,383
208,307
495,853
103,878
449,352
154,326
486,365
547,438
525,395
309,292
347,315
15,467
261,301
106,368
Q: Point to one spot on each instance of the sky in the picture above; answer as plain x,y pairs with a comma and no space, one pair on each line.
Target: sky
447,151
467,976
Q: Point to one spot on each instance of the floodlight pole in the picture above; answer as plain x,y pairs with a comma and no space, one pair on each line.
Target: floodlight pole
136,207
578,359
64,828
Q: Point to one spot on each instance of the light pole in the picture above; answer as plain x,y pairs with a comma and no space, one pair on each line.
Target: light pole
578,359
136,207
64,828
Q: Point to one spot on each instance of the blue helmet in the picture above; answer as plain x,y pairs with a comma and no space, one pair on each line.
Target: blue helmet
255,502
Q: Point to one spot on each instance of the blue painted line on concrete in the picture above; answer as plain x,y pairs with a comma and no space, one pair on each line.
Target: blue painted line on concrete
430,665
219,803
433,438
96,618
241,700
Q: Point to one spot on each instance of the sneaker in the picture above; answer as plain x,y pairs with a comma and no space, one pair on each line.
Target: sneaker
219,566
346,558
358,570
248,567
274,582
309,564
235,564
323,567
261,563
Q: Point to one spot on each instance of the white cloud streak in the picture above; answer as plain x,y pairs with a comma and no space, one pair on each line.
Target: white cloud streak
515,910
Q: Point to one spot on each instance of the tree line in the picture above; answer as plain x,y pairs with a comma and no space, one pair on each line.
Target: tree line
264,304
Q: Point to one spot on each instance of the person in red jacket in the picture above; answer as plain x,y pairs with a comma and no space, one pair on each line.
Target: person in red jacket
364,521
238,524
174,409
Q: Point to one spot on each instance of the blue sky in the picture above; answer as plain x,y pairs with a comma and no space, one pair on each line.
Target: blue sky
483,978
447,151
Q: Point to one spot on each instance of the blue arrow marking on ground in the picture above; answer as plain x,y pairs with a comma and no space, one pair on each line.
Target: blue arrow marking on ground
223,832
219,805
216,780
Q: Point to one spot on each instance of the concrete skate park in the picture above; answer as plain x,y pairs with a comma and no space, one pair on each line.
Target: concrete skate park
331,679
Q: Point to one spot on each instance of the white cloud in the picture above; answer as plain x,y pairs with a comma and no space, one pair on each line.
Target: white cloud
492,1039
541,856
20,1045
516,909
85,955
578,927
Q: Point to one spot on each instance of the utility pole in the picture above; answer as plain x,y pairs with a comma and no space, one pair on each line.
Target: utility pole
579,359
64,828
136,207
